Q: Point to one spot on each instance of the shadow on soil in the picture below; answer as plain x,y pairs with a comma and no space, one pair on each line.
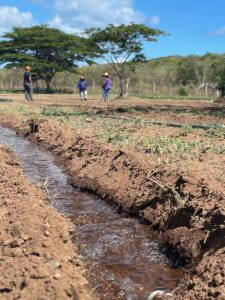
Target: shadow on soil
216,111
209,109
5,100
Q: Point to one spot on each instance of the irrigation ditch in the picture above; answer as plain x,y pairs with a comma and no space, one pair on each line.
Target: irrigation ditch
189,216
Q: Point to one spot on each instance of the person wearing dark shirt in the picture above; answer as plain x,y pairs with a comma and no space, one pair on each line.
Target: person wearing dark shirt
82,86
27,83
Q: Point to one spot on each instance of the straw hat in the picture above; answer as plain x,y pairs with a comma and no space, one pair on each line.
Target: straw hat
105,74
82,77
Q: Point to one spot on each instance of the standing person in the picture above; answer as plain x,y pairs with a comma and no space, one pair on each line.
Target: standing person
106,87
82,85
27,83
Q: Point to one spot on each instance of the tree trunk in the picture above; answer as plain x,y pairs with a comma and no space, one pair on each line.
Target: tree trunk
140,87
206,89
48,84
170,90
74,89
122,87
93,85
221,95
153,88
126,87
217,93
114,85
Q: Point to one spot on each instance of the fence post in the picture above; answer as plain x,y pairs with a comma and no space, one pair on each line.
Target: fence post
153,88
170,90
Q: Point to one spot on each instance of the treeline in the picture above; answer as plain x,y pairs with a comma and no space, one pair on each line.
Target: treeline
55,58
175,75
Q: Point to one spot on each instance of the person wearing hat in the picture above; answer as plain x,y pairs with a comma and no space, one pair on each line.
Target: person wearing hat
27,83
106,87
82,86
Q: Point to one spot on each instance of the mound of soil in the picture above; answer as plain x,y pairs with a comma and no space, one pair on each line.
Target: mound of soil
37,258
182,205
207,280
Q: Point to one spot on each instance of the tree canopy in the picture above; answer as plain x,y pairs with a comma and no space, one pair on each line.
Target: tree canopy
122,45
218,73
46,50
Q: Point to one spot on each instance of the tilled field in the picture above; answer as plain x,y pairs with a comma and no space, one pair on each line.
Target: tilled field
173,178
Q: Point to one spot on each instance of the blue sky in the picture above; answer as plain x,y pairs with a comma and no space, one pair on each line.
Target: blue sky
195,26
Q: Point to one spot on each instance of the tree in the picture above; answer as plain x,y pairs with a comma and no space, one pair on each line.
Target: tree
47,50
218,74
122,47
188,71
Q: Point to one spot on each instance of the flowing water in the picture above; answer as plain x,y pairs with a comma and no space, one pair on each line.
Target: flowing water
123,259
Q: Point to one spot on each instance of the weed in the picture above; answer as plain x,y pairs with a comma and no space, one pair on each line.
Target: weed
185,130
221,177
25,110
213,149
82,248
55,111
218,134
52,112
219,150
21,110
182,91
113,137
167,145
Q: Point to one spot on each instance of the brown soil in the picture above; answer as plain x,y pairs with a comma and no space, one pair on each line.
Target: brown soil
183,197
37,258
184,111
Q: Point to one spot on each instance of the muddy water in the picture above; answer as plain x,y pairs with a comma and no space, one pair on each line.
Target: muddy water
123,259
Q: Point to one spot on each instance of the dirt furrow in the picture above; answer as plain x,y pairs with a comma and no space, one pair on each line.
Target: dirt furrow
37,257
182,206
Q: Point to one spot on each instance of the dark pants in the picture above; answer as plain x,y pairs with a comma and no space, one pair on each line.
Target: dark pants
28,91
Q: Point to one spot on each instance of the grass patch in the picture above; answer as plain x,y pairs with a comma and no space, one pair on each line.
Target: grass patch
171,97
58,112
11,91
114,137
167,145
218,149
125,132
217,134
21,110
184,131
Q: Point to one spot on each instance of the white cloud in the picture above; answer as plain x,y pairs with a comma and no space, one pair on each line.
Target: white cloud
72,16
75,15
11,16
155,20
220,31
59,23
